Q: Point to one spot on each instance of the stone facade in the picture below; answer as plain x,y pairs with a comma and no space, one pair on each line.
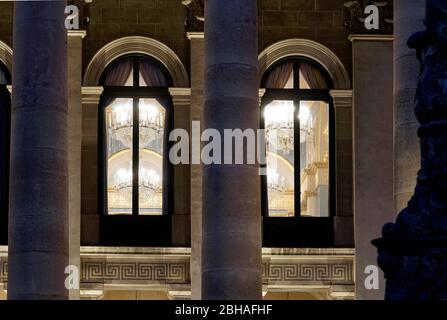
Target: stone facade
179,26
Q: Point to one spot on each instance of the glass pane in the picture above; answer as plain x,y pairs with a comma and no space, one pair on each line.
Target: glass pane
311,77
152,124
279,124
314,158
118,116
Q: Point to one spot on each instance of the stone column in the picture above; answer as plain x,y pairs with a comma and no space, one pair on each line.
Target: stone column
343,220
74,148
197,73
231,255
38,215
408,18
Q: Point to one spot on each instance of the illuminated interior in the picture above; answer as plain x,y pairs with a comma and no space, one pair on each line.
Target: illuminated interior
120,180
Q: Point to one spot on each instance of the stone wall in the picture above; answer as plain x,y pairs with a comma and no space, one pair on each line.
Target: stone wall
6,22
317,20
162,20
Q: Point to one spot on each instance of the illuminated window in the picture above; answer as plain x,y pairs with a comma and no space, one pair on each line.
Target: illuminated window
297,122
136,119
5,124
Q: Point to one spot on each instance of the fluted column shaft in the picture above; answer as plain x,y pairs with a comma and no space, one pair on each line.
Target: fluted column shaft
231,260
38,219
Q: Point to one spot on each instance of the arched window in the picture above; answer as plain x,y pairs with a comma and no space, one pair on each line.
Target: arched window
297,118
5,124
135,119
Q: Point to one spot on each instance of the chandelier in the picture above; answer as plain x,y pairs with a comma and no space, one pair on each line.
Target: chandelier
279,125
120,123
148,182
275,182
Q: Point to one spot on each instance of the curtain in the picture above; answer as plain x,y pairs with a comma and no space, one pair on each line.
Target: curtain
2,78
118,76
312,76
152,74
278,78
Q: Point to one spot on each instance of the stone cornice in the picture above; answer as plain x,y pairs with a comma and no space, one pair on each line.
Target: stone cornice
195,35
91,94
371,37
356,16
77,33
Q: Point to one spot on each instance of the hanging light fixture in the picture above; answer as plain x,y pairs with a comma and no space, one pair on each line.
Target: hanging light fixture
120,123
279,124
149,182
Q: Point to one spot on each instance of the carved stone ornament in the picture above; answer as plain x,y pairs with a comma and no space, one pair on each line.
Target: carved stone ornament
196,15
413,250
356,16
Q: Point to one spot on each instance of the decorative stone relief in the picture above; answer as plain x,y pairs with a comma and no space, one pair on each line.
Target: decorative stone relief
413,250
196,15
355,20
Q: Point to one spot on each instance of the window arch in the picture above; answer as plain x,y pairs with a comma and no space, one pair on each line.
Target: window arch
5,125
297,115
134,121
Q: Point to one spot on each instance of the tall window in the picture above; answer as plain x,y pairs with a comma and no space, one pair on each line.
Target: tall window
5,121
135,120
296,115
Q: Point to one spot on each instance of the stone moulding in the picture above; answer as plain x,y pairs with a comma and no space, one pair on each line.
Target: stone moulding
283,269
309,49
136,44
6,55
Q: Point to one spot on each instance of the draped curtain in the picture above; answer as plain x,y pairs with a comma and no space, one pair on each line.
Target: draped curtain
2,78
278,78
152,74
312,76
118,76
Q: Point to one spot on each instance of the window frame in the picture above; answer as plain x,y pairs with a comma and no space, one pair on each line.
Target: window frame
136,229
5,132
299,231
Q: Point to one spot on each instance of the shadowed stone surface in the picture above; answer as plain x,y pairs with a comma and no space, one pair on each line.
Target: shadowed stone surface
231,256
413,251
38,221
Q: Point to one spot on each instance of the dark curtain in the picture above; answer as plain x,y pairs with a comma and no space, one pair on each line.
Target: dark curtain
152,74
117,76
2,78
277,79
313,76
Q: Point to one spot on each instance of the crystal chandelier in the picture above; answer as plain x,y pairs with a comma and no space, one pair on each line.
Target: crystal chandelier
148,182
275,182
279,124
120,123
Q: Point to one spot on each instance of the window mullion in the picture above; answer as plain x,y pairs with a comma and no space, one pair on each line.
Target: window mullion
135,156
297,160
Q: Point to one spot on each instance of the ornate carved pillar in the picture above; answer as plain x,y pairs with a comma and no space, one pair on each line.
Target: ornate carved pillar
413,251
38,215
231,255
